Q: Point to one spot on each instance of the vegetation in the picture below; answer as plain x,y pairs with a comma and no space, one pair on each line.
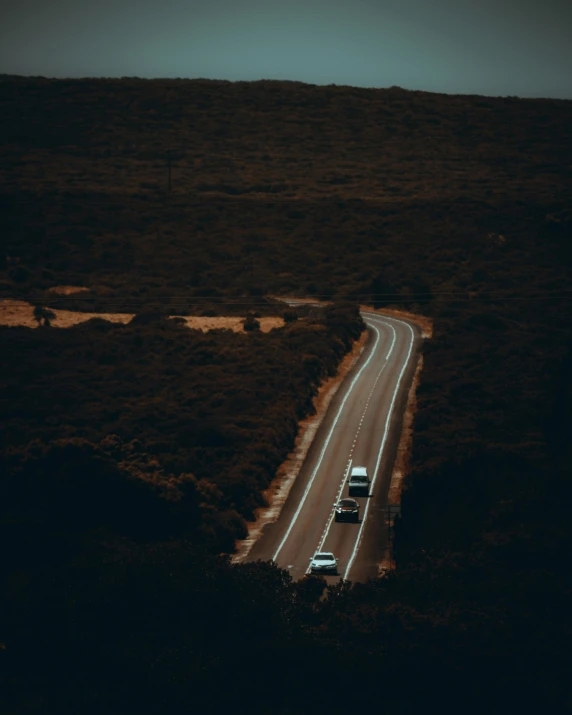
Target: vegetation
201,420
133,454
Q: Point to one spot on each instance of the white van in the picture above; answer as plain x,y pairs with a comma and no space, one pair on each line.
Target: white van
359,482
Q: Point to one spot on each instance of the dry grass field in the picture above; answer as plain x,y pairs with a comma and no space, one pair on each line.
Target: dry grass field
14,312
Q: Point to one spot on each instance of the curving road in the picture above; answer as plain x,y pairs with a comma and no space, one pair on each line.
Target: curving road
362,427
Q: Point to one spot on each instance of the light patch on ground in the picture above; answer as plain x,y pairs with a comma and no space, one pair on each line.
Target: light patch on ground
278,491
232,323
384,567
19,312
68,290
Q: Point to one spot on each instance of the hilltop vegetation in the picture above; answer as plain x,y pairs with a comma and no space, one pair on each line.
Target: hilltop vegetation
285,140
319,190
457,207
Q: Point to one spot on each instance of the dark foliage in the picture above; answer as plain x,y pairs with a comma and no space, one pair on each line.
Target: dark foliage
250,323
457,207
203,420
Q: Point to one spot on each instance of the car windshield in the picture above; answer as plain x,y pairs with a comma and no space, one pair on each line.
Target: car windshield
323,557
359,479
348,502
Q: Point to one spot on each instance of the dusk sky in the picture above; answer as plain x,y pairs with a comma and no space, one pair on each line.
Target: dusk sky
491,47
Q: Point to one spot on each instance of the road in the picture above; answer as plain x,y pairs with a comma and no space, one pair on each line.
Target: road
362,427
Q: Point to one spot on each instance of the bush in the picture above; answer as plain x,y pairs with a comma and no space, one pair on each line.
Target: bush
19,273
250,323
290,316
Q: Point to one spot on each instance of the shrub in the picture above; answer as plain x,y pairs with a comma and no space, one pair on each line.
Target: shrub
290,316
19,273
250,323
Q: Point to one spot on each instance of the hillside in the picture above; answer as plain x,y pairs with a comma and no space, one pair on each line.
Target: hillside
301,177
457,207
283,140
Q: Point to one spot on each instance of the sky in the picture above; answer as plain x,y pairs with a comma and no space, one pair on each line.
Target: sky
490,47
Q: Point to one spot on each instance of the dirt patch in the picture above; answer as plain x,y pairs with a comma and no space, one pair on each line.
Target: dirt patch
201,323
278,491
68,290
18,312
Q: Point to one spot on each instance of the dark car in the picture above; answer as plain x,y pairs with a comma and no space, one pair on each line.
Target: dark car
347,510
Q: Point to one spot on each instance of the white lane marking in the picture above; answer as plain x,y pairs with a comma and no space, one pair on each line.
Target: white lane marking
390,411
311,481
332,513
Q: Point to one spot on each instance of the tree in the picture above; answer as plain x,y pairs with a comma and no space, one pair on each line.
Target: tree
250,323
38,314
290,316
43,314
49,315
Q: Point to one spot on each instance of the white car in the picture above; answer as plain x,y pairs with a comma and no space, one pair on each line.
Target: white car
324,562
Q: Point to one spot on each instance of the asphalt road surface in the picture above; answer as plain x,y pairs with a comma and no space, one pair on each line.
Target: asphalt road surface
362,427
